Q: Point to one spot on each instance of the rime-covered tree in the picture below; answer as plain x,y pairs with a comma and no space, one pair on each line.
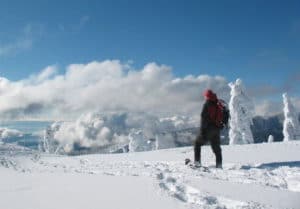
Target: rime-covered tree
270,139
139,142
241,113
291,126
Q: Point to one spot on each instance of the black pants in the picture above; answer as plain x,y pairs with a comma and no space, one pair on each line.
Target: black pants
211,135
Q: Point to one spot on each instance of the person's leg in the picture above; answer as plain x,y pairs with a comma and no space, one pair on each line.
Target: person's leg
216,147
218,153
197,148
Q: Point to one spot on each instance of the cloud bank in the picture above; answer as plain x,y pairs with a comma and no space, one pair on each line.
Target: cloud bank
107,86
113,86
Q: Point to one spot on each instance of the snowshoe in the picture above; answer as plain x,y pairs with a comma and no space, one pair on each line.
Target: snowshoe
196,165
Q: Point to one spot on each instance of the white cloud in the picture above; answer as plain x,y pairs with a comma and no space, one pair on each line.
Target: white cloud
112,86
83,21
46,74
268,108
15,47
74,27
296,103
23,41
106,86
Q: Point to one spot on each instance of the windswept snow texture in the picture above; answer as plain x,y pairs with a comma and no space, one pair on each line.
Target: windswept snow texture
253,177
291,126
241,113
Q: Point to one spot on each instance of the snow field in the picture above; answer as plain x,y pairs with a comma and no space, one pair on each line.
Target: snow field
253,177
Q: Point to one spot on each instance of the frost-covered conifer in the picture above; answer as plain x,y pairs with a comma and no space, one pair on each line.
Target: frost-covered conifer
138,142
241,112
291,127
270,139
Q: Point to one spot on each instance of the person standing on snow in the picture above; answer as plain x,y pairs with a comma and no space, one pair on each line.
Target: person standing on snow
209,130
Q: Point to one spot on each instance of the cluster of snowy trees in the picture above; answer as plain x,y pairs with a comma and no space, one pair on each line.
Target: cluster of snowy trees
241,110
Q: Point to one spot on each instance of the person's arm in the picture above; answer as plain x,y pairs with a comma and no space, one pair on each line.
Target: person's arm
204,118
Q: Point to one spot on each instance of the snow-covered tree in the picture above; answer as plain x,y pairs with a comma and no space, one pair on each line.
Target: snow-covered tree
270,139
49,145
139,142
291,126
241,113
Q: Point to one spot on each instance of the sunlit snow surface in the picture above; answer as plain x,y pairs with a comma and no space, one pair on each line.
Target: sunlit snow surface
254,176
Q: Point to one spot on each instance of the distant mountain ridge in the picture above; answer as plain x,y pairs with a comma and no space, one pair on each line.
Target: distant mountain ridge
263,127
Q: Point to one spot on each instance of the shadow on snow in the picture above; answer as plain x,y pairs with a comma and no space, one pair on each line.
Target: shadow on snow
273,165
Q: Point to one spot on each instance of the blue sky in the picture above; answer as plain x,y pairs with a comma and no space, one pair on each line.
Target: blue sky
258,41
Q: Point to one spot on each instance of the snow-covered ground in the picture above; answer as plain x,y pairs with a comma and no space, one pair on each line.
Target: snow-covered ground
254,176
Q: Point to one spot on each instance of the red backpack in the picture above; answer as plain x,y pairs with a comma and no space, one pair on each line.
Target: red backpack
219,113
